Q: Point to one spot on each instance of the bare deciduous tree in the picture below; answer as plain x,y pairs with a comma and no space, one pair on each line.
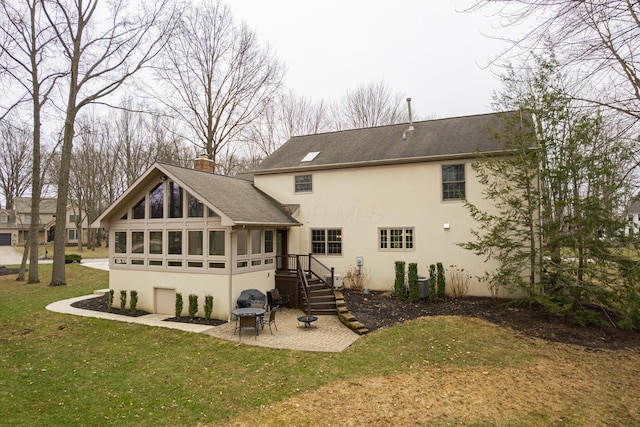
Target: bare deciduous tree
286,115
599,39
102,49
219,76
27,47
15,161
370,105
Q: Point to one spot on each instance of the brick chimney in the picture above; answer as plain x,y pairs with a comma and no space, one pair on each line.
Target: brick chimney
204,164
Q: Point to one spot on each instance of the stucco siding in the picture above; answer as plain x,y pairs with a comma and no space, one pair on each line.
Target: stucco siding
360,201
224,288
183,282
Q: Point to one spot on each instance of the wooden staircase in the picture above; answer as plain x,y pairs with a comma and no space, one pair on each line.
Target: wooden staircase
321,298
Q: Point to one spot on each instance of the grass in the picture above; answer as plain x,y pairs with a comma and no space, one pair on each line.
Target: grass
60,369
100,252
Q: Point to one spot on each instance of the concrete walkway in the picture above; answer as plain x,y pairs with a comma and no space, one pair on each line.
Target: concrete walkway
327,334
10,256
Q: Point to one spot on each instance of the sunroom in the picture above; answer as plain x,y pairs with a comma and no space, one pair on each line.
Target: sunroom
179,230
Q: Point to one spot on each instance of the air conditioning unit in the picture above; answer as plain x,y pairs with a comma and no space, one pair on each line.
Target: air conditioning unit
337,280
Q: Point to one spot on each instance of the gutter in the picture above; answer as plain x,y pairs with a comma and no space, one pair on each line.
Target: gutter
370,163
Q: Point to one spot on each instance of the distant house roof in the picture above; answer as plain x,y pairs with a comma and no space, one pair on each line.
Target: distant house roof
23,205
429,140
11,218
634,208
236,200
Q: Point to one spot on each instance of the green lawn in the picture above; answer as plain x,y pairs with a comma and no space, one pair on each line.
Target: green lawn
61,370
47,250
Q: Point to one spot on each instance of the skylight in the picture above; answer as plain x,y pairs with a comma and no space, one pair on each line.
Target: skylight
310,156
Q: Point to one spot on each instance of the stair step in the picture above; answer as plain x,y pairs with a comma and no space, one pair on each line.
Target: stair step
320,312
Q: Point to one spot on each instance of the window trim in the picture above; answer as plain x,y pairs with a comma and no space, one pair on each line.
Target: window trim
303,186
443,193
388,243
327,242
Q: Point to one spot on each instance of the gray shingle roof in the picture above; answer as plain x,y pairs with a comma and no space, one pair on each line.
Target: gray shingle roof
429,139
23,205
236,198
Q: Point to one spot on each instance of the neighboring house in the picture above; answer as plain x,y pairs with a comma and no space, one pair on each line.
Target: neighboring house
15,223
633,219
8,228
366,198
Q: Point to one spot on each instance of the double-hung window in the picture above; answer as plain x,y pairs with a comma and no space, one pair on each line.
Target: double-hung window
395,239
326,241
453,182
304,184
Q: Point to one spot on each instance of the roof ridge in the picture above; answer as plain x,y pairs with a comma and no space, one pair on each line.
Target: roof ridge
199,171
405,123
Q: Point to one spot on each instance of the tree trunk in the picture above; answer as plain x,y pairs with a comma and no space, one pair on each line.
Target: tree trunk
58,274
35,191
23,264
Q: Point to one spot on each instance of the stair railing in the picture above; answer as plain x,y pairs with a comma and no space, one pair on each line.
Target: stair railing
321,271
304,284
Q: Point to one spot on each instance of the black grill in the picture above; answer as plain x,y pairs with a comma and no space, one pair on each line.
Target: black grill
248,295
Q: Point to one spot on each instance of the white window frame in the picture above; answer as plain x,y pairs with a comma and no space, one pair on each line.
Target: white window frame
304,186
405,243
445,194
327,242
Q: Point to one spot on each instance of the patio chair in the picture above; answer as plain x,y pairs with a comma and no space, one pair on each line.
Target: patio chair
275,298
246,322
257,304
272,319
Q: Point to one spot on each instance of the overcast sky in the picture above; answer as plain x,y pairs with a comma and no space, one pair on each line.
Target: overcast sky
423,49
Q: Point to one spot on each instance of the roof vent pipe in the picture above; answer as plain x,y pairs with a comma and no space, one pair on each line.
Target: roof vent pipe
410,128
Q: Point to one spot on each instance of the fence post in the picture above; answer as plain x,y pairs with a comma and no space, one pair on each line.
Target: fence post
333,280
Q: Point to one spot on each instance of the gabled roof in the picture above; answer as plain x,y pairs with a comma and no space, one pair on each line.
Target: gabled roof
429,140
634,207
23,205
237,201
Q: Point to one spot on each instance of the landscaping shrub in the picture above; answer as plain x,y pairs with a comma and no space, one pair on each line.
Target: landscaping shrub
414,290
193,305
433,291
134,300
355,278
440,280
459,281
399,289
110,305
123,299
179,304
208,306
70,258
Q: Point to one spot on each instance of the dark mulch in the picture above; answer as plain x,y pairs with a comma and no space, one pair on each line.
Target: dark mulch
101,303
196,320
4,271
382,309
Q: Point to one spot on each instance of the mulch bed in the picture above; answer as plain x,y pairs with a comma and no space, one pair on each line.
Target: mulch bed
382,309
4,271
101,303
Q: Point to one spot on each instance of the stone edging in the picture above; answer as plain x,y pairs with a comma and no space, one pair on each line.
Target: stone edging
348,319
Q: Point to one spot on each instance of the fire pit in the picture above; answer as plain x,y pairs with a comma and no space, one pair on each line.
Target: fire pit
307,320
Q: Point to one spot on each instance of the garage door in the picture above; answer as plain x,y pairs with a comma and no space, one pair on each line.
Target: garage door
5,239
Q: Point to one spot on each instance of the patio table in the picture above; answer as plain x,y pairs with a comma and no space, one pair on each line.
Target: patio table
247,311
